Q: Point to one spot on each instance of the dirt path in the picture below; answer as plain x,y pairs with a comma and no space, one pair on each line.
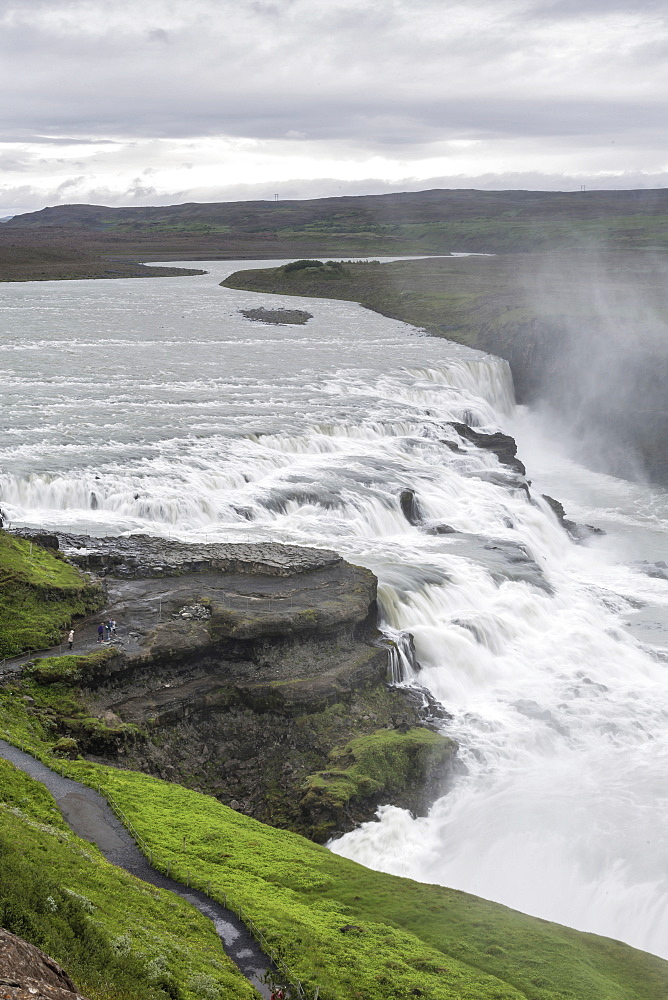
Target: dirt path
90,817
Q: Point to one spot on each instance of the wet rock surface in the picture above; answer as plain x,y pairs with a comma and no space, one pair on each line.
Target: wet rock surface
502,445
410,507
657,570
291,317
578,532
141,556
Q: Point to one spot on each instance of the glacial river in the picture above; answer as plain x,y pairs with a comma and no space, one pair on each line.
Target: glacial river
152,405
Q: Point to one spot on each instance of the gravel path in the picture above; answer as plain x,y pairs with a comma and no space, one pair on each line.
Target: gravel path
90,817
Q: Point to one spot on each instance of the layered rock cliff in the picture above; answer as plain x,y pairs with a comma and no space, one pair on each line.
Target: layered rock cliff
250,671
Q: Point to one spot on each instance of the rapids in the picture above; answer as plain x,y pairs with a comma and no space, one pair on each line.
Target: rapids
153,406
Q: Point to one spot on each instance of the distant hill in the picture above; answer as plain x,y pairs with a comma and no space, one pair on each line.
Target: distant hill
408,224
433,217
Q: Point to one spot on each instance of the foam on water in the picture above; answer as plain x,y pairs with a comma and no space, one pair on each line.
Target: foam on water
153,406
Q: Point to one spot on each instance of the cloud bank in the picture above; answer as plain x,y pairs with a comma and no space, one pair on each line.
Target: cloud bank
159,102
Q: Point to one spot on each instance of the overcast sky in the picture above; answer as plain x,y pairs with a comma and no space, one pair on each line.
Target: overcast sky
159,101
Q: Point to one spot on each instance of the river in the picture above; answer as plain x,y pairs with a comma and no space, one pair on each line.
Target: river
153,405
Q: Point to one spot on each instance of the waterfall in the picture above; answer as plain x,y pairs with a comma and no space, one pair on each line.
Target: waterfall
402,664
549,656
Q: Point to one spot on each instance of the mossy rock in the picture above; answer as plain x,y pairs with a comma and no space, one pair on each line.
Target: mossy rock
66,746
70,669
383,766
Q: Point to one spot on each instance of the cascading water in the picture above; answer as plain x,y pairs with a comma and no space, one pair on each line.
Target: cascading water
152,406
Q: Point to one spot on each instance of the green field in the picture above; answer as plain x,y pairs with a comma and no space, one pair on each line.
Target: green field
355,933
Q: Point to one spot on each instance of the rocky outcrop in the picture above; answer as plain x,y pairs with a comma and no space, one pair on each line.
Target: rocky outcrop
142,556
26,973
238,669
578,532
410,507
502,445
277,317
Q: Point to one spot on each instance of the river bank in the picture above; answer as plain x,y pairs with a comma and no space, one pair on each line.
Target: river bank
583,332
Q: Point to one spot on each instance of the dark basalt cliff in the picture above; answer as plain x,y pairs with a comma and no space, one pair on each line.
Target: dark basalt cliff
243,669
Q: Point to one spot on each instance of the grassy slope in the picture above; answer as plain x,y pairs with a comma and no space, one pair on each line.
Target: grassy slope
39,596
406,939
119,938
441,942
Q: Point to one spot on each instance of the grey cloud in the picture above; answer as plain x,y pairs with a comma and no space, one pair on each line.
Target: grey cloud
578,8
67,185
52,140
18,163
391,77
372,123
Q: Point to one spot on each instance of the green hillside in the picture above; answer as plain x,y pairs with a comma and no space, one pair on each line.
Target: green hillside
117,937
339,928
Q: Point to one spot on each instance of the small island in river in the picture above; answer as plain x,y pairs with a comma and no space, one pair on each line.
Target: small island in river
288,317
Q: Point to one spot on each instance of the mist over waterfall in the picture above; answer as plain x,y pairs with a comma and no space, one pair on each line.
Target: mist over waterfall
598,356
152,406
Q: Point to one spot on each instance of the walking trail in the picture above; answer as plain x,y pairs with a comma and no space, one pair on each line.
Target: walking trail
90,816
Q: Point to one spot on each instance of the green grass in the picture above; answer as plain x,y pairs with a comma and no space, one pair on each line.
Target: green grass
69,668
117,937
45,704
40,594
402,936
361,934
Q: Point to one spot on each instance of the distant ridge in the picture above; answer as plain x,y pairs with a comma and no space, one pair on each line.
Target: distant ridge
106,241
428,207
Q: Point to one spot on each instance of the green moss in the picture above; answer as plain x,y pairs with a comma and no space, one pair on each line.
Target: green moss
119,938
40,594
71,669
45,703
66,747
386,761
362,934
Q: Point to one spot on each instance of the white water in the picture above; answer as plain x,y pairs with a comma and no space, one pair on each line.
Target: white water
152,406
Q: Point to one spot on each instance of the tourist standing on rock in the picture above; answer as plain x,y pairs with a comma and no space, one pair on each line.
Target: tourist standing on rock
112,625
70,638
100,632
